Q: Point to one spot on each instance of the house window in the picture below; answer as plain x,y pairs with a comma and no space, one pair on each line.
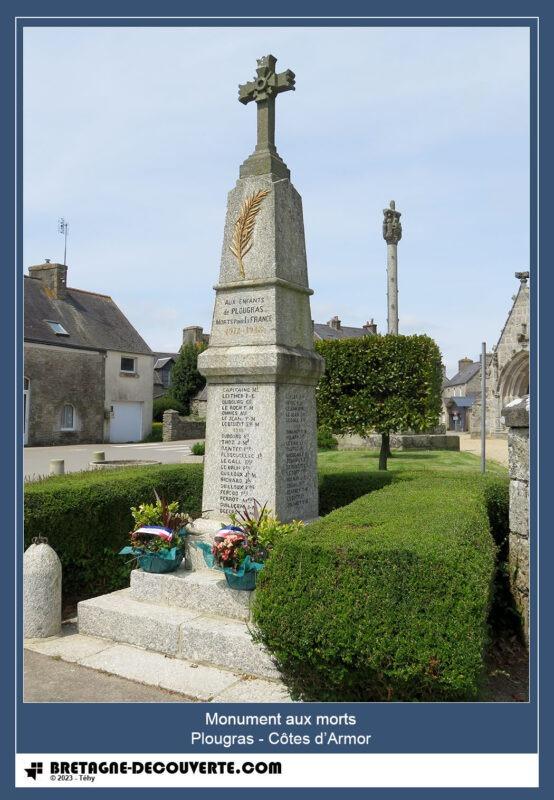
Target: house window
128,364
68,417
57,327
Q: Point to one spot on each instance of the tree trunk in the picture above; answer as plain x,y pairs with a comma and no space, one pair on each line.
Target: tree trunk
385,450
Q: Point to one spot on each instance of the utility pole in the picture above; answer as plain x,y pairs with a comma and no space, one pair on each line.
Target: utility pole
483,404
392,233
62,228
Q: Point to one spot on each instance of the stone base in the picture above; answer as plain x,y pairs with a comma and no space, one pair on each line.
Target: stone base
175,631
194,681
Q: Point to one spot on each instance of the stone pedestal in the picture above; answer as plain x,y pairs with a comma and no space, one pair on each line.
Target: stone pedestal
260,367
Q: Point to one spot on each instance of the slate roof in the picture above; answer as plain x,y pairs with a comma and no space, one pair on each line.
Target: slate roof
465,375
323,331
93,321
462,402
161,362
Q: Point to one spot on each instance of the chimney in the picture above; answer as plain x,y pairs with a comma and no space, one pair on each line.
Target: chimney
464,362
334,323
52,276
370,326
193,334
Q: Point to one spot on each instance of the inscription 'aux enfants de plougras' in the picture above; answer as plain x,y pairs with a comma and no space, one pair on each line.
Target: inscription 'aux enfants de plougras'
244,311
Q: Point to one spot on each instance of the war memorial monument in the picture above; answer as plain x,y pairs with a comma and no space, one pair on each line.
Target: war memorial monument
260,367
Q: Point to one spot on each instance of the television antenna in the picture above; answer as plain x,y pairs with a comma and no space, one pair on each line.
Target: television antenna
62,228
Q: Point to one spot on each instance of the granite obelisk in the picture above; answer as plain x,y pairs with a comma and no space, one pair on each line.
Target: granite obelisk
392,233
260,366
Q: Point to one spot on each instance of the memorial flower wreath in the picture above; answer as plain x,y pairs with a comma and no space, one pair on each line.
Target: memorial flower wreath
241,548
157,540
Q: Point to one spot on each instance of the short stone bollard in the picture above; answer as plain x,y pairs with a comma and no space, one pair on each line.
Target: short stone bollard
57,466
99,456
42,591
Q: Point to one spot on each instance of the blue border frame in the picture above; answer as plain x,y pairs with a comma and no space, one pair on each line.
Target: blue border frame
464,727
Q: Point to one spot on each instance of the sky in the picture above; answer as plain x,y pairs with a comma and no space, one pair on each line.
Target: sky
135,136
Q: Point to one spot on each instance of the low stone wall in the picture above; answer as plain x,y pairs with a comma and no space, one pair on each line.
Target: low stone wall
401,441
516,417
176,428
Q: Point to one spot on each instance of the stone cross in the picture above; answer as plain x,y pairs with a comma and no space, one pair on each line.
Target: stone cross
263,90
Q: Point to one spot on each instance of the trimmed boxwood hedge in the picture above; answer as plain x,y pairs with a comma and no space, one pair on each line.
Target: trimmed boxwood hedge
387,598
86,518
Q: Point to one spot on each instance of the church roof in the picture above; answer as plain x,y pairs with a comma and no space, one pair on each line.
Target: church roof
465,375
78,319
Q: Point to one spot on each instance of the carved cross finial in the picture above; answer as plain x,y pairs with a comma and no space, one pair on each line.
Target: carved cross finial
392,229
263,90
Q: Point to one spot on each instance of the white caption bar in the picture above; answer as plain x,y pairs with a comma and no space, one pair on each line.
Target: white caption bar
425,770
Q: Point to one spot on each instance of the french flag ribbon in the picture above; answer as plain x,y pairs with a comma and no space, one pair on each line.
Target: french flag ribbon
155,530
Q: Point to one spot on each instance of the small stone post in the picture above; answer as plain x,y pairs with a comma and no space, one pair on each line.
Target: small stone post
42,591
392,233
57,466
516,418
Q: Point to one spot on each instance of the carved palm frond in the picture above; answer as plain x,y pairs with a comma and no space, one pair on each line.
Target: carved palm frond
244,227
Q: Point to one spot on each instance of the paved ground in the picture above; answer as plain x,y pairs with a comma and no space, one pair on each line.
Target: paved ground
77,457
50,680
495,449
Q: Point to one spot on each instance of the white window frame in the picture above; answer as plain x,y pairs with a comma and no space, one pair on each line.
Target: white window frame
52,322
128,371
73,416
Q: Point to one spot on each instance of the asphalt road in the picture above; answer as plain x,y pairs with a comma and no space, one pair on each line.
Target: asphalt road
77,457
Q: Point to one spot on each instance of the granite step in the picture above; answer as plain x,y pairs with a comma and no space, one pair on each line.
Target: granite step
203,590
187,679
177,632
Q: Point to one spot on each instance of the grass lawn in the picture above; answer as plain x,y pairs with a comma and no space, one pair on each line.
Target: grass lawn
442,461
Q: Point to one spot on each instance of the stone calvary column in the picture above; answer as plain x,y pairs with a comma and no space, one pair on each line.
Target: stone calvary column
392,233
260,366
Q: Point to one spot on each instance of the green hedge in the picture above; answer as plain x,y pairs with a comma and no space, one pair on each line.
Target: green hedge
387,598
86,518
326,440
156,434
338,489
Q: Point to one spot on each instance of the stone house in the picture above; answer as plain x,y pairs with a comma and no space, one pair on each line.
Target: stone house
459,395
87,371
334,329
163,365
507,374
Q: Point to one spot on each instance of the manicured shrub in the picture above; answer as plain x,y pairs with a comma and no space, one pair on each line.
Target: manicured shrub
86,518
165,403
198,449
337,489
326,440
156,435
379,383
385,599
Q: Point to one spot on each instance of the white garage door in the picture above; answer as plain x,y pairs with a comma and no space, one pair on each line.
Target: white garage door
126,422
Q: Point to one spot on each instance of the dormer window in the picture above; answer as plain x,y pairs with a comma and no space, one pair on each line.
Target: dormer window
57,327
